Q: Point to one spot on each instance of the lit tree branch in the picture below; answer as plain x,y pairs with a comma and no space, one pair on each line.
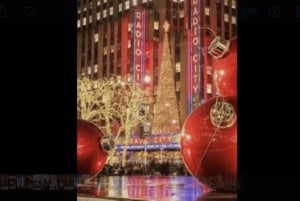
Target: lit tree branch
113,102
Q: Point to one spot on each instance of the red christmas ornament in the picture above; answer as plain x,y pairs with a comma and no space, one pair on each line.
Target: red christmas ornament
225,72
209,139
91,156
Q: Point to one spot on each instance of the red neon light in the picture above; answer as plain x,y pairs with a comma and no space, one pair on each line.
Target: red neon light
138,48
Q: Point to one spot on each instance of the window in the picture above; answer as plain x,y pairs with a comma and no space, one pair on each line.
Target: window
225,17
98,15
89,70
129,44
156,25
127,5
95,68
129,26
134,2
98,3
207,11
104,1
84,21
144,1
104,13
226,2
178,67
96,37
78,23
233,4
181,14
233,20
120,7
111,10
208,88
90,19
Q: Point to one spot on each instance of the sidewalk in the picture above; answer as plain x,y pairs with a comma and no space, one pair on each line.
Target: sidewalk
145,188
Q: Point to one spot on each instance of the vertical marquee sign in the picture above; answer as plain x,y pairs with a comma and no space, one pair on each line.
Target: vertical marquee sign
194,56
139,49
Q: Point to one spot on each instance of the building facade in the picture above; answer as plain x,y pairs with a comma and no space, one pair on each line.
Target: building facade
124,38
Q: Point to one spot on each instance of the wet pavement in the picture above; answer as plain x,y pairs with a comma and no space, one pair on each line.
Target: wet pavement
150,188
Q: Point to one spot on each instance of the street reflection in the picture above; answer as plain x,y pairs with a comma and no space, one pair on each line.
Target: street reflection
151,188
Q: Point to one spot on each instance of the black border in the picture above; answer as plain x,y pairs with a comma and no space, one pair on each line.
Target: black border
38,68
267,84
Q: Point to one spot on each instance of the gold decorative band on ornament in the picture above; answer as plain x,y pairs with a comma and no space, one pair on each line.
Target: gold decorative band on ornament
222,114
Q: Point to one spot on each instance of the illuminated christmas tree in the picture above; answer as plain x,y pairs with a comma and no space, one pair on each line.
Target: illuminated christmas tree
166,114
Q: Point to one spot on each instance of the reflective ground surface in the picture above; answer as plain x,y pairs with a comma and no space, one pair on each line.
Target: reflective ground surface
151,188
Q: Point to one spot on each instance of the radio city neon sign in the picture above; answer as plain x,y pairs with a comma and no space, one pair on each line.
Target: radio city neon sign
195,46
138,46
154,140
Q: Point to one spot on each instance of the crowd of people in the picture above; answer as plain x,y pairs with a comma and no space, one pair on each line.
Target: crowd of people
154,167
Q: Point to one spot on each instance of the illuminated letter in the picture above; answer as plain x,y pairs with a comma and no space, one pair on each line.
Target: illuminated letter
138,34
138,25
195,88
138,15
138,67
195,21
195,11
195,41
195,58
138,52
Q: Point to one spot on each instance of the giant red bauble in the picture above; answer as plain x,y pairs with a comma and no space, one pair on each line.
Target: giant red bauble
225,72
206,150
91,157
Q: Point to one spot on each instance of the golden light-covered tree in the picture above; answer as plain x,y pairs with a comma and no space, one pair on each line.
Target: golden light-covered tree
166,113
112,104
